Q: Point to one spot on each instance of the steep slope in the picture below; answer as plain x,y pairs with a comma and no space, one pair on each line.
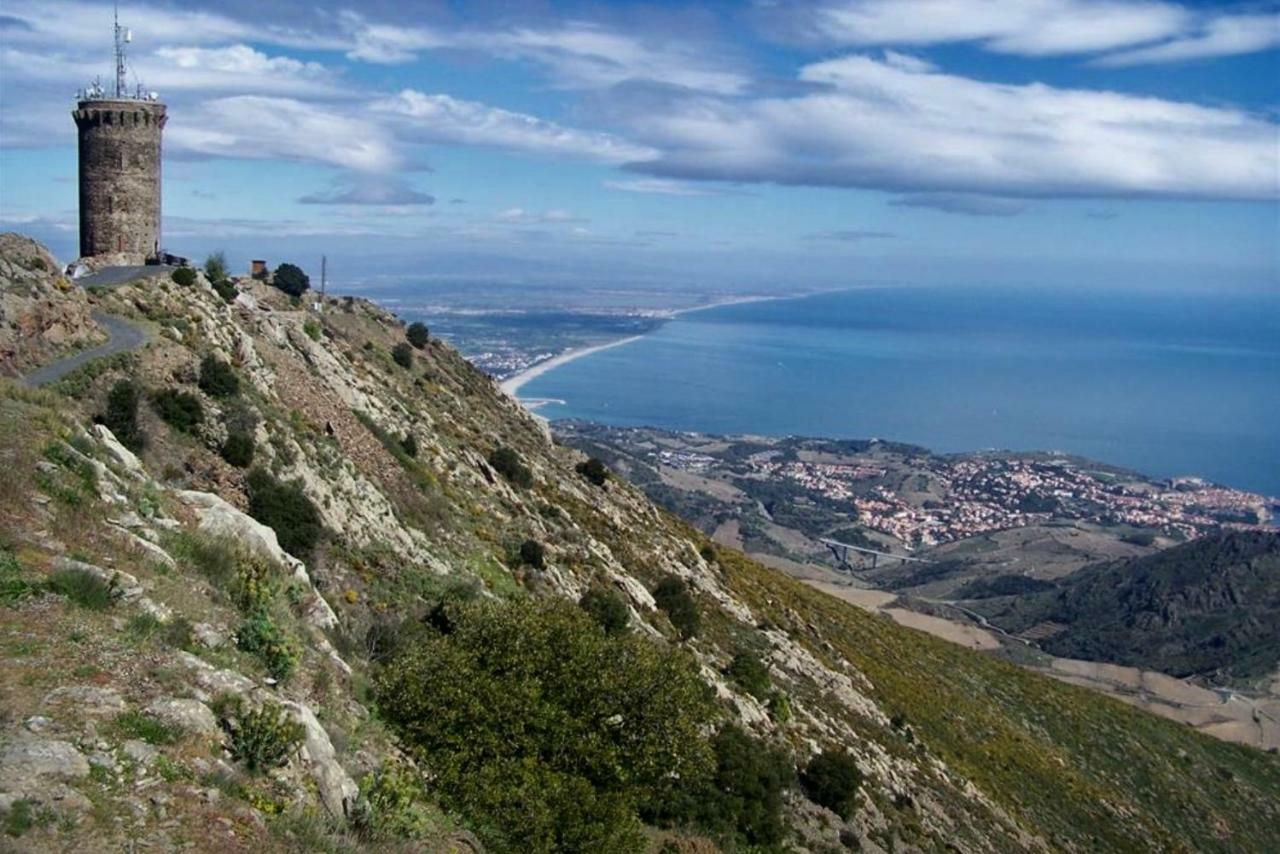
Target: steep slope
411,501
1207,608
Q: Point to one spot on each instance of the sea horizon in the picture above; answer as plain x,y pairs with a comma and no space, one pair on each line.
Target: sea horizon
575,383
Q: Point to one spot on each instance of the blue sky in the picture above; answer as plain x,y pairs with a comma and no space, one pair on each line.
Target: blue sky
735,145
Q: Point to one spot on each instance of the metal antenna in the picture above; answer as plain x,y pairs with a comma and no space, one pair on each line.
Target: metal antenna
120,39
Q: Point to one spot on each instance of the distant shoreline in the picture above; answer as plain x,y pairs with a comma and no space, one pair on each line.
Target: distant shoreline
511,385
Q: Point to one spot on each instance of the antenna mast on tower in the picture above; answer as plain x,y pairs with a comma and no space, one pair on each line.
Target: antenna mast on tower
122,37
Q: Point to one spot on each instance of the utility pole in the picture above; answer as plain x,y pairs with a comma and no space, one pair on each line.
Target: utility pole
324,275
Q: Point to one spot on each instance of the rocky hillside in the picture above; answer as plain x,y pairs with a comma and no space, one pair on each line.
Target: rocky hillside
278,581
42,314
1206,608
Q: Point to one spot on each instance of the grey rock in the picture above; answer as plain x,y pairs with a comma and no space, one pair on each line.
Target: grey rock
86,700
37,723
127,585
140,752
23,762
190,715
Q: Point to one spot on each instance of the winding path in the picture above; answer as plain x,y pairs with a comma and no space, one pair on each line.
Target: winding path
122,336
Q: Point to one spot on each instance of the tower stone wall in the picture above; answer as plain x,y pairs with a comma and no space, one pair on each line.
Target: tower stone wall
120,176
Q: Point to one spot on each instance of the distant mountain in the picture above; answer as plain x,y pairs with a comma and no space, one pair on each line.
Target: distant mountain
1207,608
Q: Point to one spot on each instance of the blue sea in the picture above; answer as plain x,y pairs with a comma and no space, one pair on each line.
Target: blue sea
1167,384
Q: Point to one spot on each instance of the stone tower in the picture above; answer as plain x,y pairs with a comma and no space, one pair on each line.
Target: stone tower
119,134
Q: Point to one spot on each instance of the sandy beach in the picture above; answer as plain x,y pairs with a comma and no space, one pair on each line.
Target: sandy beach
512,385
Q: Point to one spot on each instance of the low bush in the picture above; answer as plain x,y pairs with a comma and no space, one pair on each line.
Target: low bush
285,508
594,471
393,805
260,636
263,738
607,609
227,290
402,355
83,588
121,415
238,449
507,462
181,410
409,445
215,267
185,276
312,329
831,779
750,674
145,728
532,740
217,378
532,553
417,335
290,279
14,583
673,598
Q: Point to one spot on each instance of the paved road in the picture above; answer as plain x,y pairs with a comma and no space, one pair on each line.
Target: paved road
122,337
121,275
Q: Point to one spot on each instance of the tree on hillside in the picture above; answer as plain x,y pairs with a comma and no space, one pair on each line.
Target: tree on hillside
290,279
215,267
417,334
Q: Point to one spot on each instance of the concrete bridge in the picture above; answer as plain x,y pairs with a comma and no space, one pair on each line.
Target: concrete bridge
841,553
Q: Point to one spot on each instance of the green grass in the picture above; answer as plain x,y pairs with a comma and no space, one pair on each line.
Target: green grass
146,728
1078,768
83,588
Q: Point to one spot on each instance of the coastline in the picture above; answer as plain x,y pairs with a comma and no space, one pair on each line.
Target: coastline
511,385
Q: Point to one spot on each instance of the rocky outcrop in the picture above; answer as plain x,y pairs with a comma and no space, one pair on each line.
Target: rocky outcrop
42,314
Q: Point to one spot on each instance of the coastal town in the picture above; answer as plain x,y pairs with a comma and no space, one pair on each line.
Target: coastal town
921,499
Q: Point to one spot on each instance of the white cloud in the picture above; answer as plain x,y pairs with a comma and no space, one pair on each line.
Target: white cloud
878,125
440,118
663,187
260,127
365,190
524,217
962,203
579,54
1028,27
1226,36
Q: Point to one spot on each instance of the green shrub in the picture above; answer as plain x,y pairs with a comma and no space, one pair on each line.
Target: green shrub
607,609
532,554
181,410
393,805
21,817
285,508
185,276
402,355
144,626
506,462
263,738
831,779
312,328
227,290
259,636
238,449
14,585
121,417
751,674
532,739
290,279
145,728
83,588
594,471
215,267
217,378
673,598
417,334
409,445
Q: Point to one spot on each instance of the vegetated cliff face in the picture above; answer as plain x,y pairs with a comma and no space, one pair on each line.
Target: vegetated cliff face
1207,608
954,749
42,314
